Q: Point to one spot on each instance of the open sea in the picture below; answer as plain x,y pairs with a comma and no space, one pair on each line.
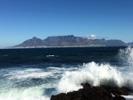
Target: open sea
36,74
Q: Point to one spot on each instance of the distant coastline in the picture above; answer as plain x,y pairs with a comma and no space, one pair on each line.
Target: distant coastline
69,41
66,47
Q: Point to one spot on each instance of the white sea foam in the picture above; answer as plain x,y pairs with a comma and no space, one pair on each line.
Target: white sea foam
128,97
34,93
50,56
127,56
97,74
92,73
10,91
31,75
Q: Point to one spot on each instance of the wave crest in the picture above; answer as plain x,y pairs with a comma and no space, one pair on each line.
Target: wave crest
94,74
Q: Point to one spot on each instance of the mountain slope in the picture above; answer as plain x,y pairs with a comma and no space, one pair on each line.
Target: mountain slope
69,41
34,42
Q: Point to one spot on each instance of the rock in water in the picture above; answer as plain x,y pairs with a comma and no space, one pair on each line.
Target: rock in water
88,93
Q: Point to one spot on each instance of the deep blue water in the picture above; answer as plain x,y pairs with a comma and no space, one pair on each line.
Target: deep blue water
59,55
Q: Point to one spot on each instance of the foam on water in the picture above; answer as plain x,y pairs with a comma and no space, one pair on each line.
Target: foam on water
35,93
13,84
97,74
92,73
129,97
31,75
35,83
127,56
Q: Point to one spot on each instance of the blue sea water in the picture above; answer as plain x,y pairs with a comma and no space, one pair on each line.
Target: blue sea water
36,74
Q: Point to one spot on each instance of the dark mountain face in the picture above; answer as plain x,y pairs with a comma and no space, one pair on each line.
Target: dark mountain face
34,42
115,43
69,41
130,44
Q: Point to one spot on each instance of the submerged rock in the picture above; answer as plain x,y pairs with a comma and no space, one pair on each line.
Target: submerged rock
89,92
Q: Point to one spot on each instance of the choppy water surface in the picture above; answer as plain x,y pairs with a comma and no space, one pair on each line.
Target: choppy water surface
38,74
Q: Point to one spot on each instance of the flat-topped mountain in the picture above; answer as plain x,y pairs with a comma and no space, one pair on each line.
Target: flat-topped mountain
130,44
69,41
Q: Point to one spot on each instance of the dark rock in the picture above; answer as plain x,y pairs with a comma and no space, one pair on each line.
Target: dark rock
119,98
92,93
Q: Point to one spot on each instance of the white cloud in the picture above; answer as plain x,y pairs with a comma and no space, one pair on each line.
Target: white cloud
92,36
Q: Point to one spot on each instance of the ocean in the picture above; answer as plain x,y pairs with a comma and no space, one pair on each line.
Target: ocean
36,74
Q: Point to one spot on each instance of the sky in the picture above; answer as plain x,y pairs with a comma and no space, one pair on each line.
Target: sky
23,19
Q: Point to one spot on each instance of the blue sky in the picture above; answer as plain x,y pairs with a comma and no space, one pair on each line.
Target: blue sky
23,19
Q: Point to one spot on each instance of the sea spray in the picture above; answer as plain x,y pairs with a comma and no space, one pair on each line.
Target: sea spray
35,93
126,55
91,73
19,85
98,74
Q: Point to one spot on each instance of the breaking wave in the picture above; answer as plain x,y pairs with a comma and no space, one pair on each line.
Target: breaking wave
126,55
99,74
92,73
40,83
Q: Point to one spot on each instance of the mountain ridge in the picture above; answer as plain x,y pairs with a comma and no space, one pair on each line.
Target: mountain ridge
69,41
